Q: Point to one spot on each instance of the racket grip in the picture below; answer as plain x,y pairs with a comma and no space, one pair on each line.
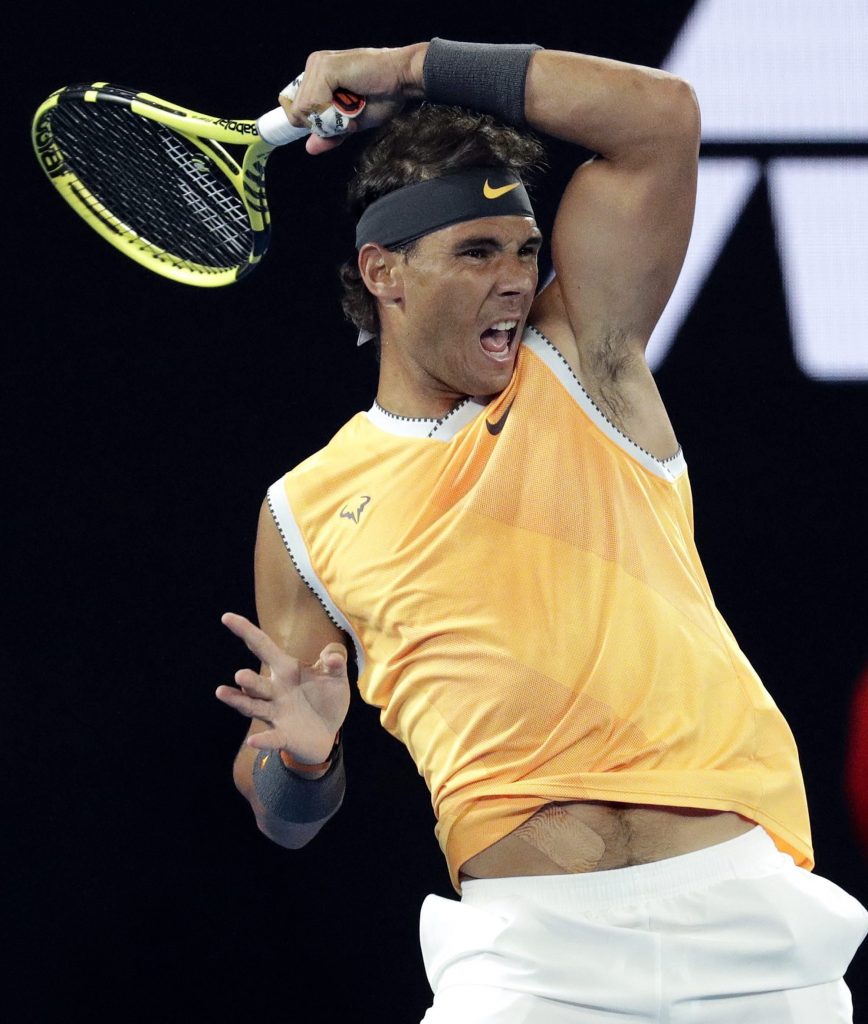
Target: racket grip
275,129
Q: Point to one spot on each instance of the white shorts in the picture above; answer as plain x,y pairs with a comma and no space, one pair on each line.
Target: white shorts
734,934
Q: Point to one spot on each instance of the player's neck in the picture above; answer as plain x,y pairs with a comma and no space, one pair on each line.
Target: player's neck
405,391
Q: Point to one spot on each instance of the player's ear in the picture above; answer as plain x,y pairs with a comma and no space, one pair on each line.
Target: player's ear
379,270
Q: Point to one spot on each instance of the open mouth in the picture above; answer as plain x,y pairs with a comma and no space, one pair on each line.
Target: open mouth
497,341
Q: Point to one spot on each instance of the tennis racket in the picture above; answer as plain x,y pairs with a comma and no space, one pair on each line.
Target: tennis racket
155,180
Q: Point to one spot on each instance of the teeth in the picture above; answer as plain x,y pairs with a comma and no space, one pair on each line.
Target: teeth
504,325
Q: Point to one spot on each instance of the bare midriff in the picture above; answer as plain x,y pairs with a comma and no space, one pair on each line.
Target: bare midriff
571,838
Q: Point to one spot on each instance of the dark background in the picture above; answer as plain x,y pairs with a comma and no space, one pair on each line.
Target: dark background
144,422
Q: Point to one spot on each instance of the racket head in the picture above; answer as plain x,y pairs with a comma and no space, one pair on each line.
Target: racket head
154,180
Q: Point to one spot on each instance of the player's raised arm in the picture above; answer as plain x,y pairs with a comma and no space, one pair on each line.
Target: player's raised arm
290,767
624,221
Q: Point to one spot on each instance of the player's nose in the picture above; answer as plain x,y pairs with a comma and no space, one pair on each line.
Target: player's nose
517,275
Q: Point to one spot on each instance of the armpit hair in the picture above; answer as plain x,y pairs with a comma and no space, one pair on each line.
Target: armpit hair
610,360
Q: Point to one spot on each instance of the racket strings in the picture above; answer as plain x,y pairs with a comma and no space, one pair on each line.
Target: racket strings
208,202
154,182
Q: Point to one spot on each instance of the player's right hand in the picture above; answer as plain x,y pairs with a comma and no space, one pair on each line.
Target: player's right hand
302,705
386,77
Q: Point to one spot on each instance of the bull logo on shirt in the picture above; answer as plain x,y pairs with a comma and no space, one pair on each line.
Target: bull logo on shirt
348,513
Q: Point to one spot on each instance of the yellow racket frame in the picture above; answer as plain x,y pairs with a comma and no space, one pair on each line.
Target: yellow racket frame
207,134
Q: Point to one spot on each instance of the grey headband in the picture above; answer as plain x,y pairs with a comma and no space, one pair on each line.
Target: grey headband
416,210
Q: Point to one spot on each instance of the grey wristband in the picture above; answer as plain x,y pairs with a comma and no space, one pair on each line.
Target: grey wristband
295,799
487,77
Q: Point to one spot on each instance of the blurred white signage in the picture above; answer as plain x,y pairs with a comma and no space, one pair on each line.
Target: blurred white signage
783,87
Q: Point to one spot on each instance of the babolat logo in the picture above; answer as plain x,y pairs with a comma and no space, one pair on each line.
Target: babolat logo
48,153
245,127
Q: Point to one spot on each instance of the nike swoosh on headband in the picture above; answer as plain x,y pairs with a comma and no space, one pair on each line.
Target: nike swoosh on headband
495,193
423,207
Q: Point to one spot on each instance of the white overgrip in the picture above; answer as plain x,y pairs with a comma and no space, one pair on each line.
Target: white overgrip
275,129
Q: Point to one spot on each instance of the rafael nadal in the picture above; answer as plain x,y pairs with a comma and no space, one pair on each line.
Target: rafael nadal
618,799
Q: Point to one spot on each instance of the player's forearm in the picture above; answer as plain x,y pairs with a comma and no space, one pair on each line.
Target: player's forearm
618,110
290,810
621,111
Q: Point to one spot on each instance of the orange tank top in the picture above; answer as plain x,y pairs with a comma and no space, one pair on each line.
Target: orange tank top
530,614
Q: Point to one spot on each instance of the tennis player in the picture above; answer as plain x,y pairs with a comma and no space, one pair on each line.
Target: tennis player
504,543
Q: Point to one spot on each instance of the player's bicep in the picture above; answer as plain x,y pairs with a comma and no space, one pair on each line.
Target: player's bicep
288,611
618,244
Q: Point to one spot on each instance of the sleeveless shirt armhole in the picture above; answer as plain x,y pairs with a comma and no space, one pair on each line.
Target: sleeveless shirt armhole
669,468
293,541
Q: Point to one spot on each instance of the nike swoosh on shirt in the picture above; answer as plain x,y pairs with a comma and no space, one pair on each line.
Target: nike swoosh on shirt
497,426
495,193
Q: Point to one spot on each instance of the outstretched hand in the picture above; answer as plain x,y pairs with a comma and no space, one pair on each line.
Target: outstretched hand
302,705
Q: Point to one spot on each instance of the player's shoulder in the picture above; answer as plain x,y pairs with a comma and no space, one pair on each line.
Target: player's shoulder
342,442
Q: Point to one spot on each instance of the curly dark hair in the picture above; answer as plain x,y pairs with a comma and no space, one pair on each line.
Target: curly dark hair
428,142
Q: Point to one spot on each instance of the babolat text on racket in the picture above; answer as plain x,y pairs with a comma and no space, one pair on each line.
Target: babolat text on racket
155,180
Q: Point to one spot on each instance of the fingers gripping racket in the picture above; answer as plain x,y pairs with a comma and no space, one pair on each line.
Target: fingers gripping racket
155,180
